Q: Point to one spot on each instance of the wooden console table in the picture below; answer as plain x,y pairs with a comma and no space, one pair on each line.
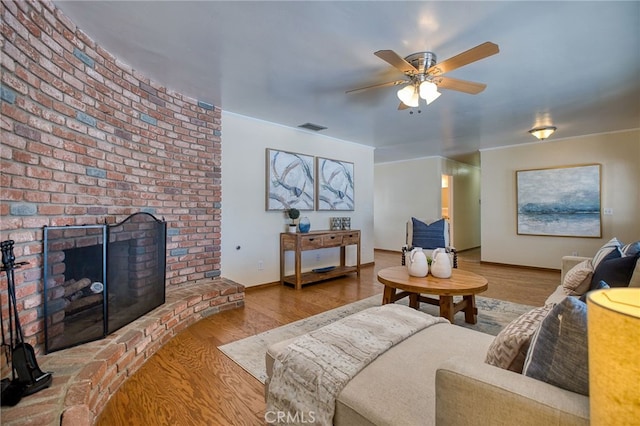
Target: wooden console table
314,240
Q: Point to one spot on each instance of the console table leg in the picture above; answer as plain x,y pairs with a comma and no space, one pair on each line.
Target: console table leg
358,259
298,272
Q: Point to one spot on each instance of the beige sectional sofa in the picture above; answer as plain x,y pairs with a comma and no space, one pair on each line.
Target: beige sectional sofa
439,376
449,375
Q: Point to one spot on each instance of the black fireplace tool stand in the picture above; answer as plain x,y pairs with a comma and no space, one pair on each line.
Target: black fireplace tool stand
26,376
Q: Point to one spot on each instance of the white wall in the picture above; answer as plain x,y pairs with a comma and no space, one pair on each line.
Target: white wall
404,189
246,223
413,188
619,154
466,201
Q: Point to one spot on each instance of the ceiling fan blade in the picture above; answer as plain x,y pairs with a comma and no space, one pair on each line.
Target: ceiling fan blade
396,60
402,106
375,86
472,55
460,85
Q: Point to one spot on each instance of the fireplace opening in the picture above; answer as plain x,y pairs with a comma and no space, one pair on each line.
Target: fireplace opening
99,278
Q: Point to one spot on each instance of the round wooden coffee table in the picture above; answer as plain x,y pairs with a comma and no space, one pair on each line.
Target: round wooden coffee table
461,283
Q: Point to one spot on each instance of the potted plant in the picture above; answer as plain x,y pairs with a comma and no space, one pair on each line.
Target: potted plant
293,215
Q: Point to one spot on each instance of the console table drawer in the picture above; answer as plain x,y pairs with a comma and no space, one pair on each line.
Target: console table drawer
289,244
351,238
331,240
308,242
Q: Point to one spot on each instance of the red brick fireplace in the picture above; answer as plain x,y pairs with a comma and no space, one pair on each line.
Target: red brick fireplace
86,139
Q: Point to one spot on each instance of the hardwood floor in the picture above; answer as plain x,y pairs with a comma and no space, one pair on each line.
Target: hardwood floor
190,382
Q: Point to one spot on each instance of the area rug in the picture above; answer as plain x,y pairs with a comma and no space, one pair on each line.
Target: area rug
249,353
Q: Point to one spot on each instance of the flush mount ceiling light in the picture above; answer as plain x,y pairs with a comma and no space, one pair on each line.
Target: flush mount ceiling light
543,132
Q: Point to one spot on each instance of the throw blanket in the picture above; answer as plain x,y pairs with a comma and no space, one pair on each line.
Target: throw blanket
311,372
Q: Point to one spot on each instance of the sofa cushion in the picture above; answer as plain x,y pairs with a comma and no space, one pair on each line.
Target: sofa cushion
398,388
558,354
428,235
615,272
509,349
578,279
608,251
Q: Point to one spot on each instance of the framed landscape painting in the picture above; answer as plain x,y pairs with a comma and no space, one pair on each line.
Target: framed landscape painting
335,187
290,181
562,202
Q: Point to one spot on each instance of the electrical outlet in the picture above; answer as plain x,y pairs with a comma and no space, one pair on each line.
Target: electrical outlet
574,253
260,265
608,211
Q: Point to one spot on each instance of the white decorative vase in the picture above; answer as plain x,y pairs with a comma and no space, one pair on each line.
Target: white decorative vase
441,264
293,228
417,265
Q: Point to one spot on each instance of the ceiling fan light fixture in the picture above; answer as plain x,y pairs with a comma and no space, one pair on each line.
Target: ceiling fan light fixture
415,100
543,132
409,95
427,87
429,91
432,97
421,69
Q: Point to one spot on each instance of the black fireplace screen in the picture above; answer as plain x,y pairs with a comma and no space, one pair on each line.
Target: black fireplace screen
99,278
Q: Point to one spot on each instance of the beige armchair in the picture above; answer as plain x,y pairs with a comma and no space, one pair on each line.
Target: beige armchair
430,235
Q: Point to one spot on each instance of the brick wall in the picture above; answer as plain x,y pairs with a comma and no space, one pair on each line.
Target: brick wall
87,139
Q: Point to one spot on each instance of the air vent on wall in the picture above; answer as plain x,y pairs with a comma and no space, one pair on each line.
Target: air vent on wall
311,126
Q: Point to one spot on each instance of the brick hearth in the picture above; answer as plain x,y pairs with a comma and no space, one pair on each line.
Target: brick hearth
86,376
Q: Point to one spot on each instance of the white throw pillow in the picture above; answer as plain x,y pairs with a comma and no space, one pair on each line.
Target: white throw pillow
578,279
605,250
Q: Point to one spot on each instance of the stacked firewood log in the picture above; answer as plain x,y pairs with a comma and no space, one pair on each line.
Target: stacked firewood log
81,295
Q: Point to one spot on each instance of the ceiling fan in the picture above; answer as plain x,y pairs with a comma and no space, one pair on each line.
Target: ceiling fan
425,75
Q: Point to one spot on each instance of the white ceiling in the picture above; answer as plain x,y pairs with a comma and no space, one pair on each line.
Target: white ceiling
575,65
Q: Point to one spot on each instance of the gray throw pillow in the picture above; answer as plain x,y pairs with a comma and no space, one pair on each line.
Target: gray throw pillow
558,354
